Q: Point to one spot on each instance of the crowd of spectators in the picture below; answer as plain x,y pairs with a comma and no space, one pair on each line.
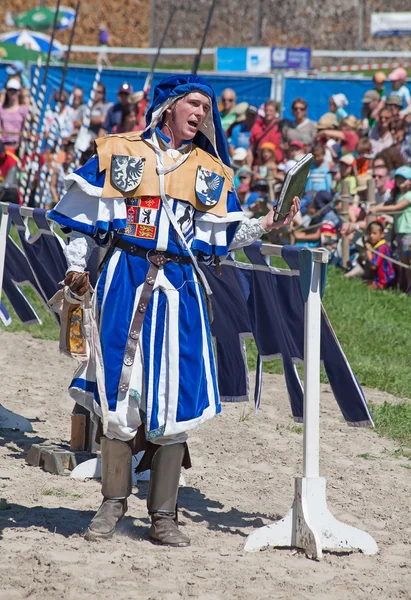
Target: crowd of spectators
358,192
348,152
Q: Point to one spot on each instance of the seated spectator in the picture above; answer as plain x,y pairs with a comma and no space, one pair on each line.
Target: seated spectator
295,151
62,169
240,166
370,109
394,103
9,164
380,135
128,121
302,128
16,70
99,111
79,108
346,137
332,147
240,134
64,116
400,207
382,180
227,113
322,210
319,178
265,129
114,114
347,173
382,270
363,160
267,164
402,138
399,88
12,114
337,104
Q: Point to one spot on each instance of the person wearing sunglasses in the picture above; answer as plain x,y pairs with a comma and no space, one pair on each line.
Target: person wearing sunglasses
227,113
302,129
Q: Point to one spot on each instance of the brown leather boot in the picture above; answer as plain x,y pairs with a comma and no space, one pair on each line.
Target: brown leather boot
116,459
162,496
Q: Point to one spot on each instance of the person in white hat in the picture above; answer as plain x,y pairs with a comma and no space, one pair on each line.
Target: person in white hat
337,104
12,114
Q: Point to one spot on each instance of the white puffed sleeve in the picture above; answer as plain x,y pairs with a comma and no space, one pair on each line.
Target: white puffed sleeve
77,252
248,231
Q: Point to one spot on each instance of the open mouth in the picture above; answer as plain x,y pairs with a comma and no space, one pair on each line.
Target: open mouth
193,124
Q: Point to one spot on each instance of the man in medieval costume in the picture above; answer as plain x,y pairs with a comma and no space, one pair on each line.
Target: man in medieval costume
164,201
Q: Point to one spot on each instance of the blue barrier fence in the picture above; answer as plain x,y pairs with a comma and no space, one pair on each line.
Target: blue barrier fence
254,90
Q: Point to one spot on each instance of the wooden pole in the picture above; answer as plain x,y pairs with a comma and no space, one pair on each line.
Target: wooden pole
345,199
370,198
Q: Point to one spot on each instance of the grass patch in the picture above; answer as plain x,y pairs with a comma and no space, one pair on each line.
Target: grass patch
394,421
60,493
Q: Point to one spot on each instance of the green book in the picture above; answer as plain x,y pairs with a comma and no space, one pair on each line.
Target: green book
294,185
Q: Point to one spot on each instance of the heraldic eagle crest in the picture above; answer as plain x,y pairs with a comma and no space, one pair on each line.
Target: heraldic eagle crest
126,172
209,186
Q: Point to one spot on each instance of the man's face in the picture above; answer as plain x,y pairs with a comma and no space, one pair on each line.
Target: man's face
228,100
370,106
78,96
381,177
299,111
270,113
395,109
123,98
185,117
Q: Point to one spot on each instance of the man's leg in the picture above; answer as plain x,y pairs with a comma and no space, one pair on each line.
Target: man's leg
116,459
162,495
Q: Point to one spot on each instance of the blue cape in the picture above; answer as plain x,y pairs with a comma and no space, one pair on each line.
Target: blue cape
178,85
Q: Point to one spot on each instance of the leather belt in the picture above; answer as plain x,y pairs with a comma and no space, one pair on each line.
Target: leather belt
157,260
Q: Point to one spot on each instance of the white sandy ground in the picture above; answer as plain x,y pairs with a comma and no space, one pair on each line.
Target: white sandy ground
242,477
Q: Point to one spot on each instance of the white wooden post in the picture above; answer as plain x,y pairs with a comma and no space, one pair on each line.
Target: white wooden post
8,419
3,240
309,525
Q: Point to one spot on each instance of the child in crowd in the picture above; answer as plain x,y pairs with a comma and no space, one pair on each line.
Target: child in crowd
399,88
379,80
267,162
347,173
363,161
382,270
320,176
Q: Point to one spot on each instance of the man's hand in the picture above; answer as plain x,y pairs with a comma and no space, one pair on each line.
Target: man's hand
268,222
78,282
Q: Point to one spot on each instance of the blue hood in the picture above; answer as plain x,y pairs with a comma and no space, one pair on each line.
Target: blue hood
178,85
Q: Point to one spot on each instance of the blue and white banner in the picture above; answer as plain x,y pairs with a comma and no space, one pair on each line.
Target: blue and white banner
251,60
387,24
290,58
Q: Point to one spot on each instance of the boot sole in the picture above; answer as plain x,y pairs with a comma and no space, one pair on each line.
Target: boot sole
178,545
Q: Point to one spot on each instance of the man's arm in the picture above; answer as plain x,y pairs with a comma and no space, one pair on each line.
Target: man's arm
77,253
